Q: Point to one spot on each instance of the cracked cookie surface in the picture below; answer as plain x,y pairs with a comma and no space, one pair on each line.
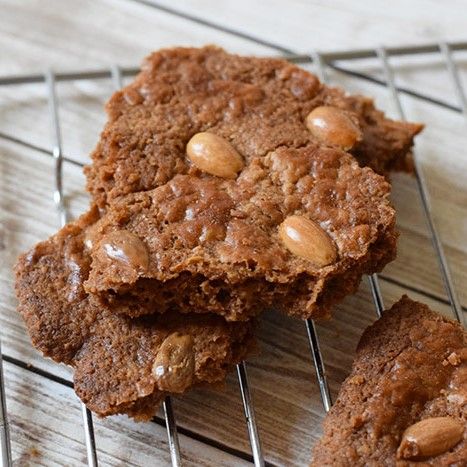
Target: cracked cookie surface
237,246
206,158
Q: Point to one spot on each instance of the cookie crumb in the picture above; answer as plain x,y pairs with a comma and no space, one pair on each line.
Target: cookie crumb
357,379
454,359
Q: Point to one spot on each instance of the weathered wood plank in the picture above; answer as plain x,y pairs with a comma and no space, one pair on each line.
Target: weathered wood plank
288,404
329,26
45,420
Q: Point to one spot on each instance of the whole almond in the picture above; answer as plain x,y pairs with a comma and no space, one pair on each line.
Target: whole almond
430,437
334,126
214,155
174,365
307,239
126,248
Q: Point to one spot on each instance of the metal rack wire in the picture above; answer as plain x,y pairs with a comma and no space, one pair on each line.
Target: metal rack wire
321,62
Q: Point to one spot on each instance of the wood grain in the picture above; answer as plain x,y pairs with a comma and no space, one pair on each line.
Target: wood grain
45,414
41,437
302,25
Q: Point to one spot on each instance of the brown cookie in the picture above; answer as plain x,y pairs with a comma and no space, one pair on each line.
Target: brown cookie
295,230
258,105
405,401
121,365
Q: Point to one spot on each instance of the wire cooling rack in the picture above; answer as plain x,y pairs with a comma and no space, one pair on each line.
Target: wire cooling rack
321,61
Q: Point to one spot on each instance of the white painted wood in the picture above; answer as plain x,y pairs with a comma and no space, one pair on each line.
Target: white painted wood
337,24
440,148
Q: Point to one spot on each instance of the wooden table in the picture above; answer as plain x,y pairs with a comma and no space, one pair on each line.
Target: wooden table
44,413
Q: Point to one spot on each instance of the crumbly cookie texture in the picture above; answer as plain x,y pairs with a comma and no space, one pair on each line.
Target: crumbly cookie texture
121,365
258,105
405,401
230,174
296,229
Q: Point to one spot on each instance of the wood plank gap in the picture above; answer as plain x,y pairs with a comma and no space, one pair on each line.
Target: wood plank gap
40,149
37,371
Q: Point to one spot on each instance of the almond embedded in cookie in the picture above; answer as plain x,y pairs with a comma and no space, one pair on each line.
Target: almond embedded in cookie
294,230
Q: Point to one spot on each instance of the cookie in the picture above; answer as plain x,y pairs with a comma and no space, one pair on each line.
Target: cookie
405,401
258,105
120,365
295,230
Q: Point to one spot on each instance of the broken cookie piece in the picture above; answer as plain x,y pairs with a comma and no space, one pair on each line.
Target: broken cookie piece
405,401
233,173
250,106
121,365
295,230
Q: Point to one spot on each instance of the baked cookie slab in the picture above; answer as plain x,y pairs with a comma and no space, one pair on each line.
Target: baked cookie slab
231,174
405,401
295,230
257,104
121,365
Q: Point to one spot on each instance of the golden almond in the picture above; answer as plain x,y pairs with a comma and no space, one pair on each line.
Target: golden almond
333,126
174,365
214,155
430,437
307,239
127,248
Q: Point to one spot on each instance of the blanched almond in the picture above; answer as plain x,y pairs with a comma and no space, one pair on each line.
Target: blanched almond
214,155
306,239
430,437
333,126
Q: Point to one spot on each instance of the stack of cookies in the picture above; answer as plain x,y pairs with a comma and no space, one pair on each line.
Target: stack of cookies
221,186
